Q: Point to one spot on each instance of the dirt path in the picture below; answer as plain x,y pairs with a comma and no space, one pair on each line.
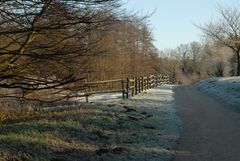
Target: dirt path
211,132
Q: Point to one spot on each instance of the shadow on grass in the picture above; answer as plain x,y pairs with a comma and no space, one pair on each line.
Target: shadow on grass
99,133
29,149
66,135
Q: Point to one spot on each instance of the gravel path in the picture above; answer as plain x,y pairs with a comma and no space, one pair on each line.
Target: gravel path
211,132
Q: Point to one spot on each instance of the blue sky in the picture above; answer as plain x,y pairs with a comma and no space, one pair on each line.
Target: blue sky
173,20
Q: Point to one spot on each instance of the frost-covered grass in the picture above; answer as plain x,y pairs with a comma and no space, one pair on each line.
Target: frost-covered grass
107,97
142,128
225,89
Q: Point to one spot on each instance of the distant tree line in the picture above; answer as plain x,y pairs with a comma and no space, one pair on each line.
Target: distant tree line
217,55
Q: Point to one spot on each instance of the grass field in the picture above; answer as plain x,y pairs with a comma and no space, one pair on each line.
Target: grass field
123,130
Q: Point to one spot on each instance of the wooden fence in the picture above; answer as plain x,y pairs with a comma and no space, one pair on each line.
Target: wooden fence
129,86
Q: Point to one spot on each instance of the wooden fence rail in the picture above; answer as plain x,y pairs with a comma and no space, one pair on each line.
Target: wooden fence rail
130,86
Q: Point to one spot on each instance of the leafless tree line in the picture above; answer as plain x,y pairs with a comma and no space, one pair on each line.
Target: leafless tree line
217,55
50,48
129,51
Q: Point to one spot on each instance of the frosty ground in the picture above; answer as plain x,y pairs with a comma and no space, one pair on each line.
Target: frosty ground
145,127
225,90
142,128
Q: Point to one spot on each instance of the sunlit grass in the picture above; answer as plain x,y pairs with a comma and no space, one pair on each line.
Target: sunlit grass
124,130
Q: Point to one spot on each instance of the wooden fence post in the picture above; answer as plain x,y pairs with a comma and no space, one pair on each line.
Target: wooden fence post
142,83
123,90
150,80
156,80
144,87
147,82
132,87
136,84
127,86
139,85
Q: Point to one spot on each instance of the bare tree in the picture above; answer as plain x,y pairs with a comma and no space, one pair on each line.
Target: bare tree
129,50
226,31
45,44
